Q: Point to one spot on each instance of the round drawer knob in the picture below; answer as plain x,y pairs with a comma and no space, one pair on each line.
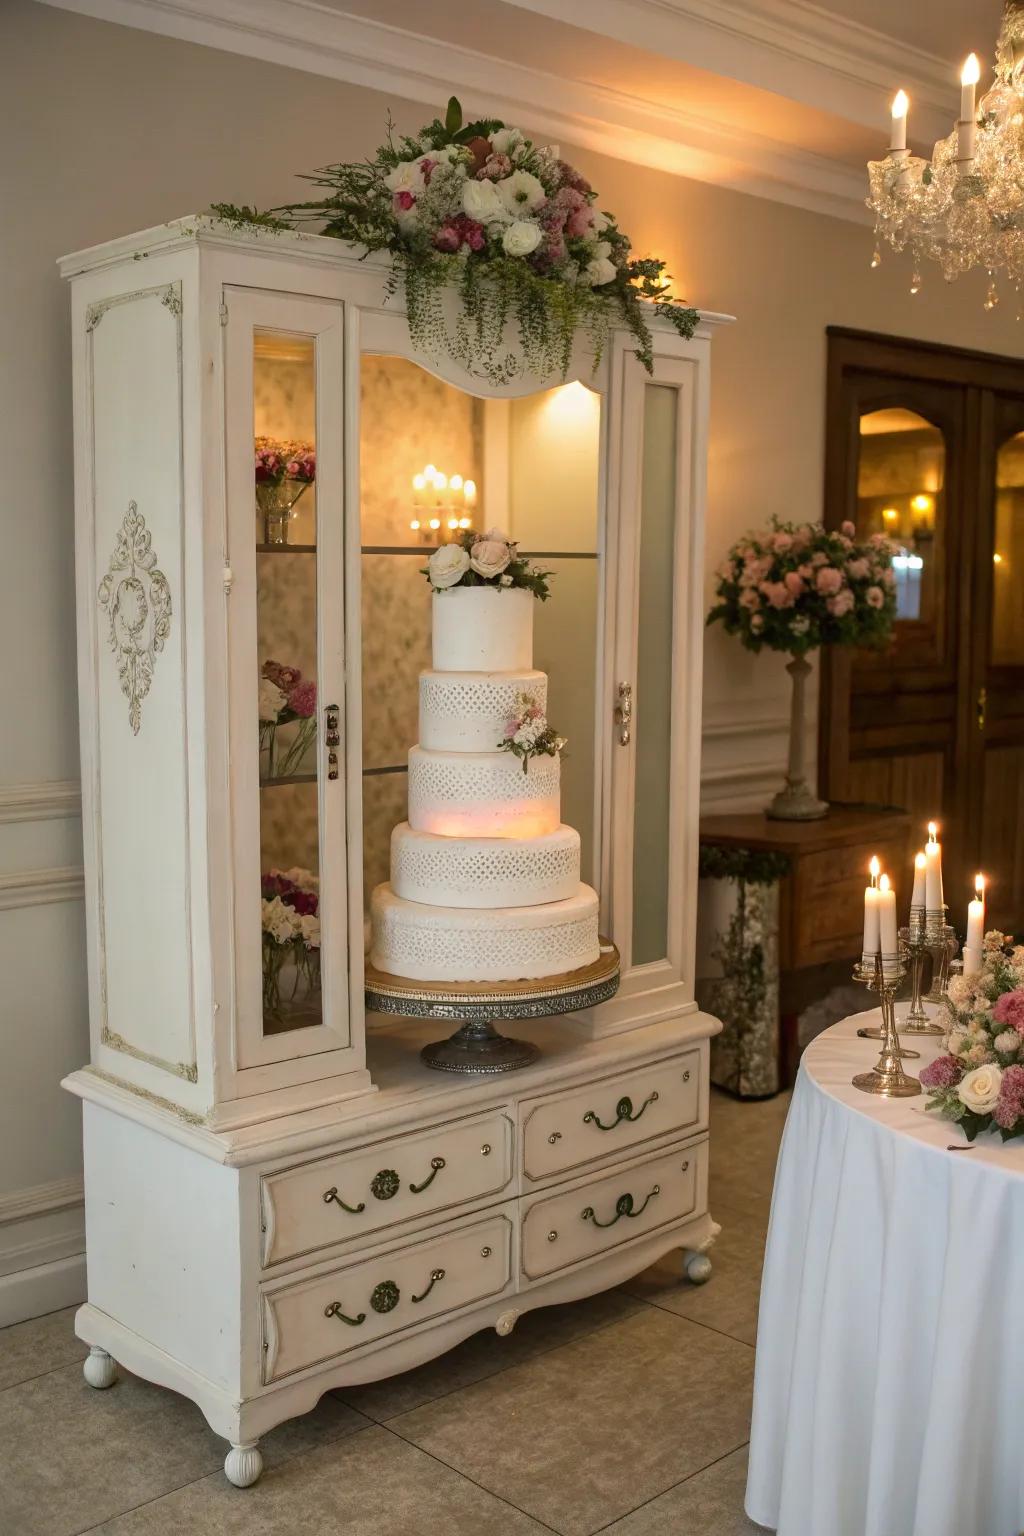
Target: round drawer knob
686,1077
485,1252
552,1236
485,1150
685,1166
555,1136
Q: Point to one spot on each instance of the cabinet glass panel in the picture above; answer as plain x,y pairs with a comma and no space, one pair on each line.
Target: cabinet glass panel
1008,556
653,700
900,475
285,533
435,462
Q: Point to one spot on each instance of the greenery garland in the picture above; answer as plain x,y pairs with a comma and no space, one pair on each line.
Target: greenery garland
510,225
754,866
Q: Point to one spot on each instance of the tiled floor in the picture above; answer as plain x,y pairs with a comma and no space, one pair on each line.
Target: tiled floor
627,1413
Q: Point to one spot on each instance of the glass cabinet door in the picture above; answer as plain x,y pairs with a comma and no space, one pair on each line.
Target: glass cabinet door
286,614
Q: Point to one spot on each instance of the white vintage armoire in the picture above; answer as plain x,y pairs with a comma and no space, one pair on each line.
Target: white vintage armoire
280,1200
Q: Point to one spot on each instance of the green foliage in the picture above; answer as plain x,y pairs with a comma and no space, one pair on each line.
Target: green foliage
243,217
752,865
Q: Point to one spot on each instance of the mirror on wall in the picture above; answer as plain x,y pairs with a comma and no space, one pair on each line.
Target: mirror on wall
435,460
1007,632
900,477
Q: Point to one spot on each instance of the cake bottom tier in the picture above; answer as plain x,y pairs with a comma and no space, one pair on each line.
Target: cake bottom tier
429,943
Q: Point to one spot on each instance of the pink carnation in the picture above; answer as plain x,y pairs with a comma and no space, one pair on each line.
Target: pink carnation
944,1072
1010,1103
841,604
858,570
794,582
829,580
1009,1009
875,597
302,700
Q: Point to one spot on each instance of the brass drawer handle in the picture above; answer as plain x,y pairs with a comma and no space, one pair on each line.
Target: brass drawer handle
436,1164
353,1210
623,1207
623,1111
435,1276
334,1310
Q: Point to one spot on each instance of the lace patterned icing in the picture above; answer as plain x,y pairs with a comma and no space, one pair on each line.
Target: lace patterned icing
484,872
482,794
503,944
467,711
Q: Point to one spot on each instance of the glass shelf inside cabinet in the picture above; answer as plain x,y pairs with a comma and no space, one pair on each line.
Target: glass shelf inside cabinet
285,523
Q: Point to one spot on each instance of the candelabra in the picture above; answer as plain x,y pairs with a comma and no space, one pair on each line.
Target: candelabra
940,938
887,1078
914,938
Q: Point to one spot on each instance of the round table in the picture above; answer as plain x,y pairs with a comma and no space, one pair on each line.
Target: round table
889,1380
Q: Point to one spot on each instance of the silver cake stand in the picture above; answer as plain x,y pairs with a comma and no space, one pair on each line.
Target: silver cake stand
477,1006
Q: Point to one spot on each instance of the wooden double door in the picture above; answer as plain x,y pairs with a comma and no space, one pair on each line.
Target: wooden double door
926,445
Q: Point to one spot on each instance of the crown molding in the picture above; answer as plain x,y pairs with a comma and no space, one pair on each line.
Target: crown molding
306,35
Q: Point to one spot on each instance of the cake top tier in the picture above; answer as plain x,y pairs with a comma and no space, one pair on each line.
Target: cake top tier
483,629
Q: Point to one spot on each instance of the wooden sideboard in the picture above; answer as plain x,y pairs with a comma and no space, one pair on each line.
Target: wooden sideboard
821,900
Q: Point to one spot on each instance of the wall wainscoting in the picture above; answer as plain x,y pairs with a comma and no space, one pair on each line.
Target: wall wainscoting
42,1250
743,760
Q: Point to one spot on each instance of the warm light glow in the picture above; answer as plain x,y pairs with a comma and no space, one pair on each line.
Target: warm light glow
979,880
997,558
440,482
465,522
414,525
875,868
469,492
572,405
900,104
453,522
921,503
419,482
890,514
430,472
883,883
933,831
455,482
920,860
435,522
971,72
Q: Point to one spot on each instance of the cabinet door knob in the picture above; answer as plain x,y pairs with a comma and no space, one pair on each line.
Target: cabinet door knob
624,713
555,1136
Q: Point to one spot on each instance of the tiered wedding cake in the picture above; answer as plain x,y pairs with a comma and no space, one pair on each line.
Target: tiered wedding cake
485,880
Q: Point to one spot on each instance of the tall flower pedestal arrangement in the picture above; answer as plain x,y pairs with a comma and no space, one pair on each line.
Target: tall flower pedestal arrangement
795,587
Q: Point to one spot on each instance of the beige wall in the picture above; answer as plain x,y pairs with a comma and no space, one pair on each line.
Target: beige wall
103,131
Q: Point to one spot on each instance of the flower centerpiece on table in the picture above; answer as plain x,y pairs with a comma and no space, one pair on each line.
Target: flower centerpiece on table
979,1082
511,224
488,559
285,697
284,470
527,733
291,933
794,587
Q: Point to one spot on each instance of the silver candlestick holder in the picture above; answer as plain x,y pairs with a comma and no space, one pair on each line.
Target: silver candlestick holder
887,1078
914,938
875,1031
940,939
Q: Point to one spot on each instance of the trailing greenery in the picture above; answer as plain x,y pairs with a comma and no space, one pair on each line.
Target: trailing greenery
752,865
509,225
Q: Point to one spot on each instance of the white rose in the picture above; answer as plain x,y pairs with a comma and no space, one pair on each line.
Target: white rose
271,700
506,140
489,557
979,1089
404,177
521,237
599,221
480,201
598,272
521,192
310,929
280,921
447,566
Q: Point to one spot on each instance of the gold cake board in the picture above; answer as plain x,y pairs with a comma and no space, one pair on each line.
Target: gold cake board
477,1005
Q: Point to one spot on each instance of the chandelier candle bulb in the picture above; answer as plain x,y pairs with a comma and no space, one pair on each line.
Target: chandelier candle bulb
933,872
898,137
888,939
966,128
871,922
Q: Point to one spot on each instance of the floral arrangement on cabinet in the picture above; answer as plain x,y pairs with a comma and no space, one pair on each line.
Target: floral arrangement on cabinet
488,559
285,697
794,587
291,935
979,1082
283,471
509,222
528,734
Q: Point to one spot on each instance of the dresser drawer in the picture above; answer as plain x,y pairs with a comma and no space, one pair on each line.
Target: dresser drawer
366,1189
610,1115
603,1213
306,1322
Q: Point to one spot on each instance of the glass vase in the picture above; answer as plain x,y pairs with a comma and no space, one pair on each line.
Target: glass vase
275,503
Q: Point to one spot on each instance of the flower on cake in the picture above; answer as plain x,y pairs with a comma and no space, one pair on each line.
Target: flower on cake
488,559
527,732
979,1082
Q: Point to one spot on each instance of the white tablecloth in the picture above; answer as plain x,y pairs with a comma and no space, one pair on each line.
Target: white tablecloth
889,1383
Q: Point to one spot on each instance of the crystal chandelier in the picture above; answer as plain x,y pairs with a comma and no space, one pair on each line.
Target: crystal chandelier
964,207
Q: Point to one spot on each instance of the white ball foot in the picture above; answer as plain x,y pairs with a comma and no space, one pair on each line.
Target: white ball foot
99,1369
698,1269
243,1465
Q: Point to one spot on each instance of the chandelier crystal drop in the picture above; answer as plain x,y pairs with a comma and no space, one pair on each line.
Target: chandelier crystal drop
964,207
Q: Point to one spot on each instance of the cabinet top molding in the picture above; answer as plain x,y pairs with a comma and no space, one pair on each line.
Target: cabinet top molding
318,250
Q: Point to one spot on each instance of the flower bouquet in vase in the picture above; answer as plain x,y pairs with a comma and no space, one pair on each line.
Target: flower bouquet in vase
284,471
794,587
291,939
979,1082
285,698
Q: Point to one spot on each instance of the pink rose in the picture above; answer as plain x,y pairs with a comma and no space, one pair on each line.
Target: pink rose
848,528
829,580
1009,1009
447,238
858,570
403,201
805,571
794,582
875,597
489,557
841,603
777,593
781,542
